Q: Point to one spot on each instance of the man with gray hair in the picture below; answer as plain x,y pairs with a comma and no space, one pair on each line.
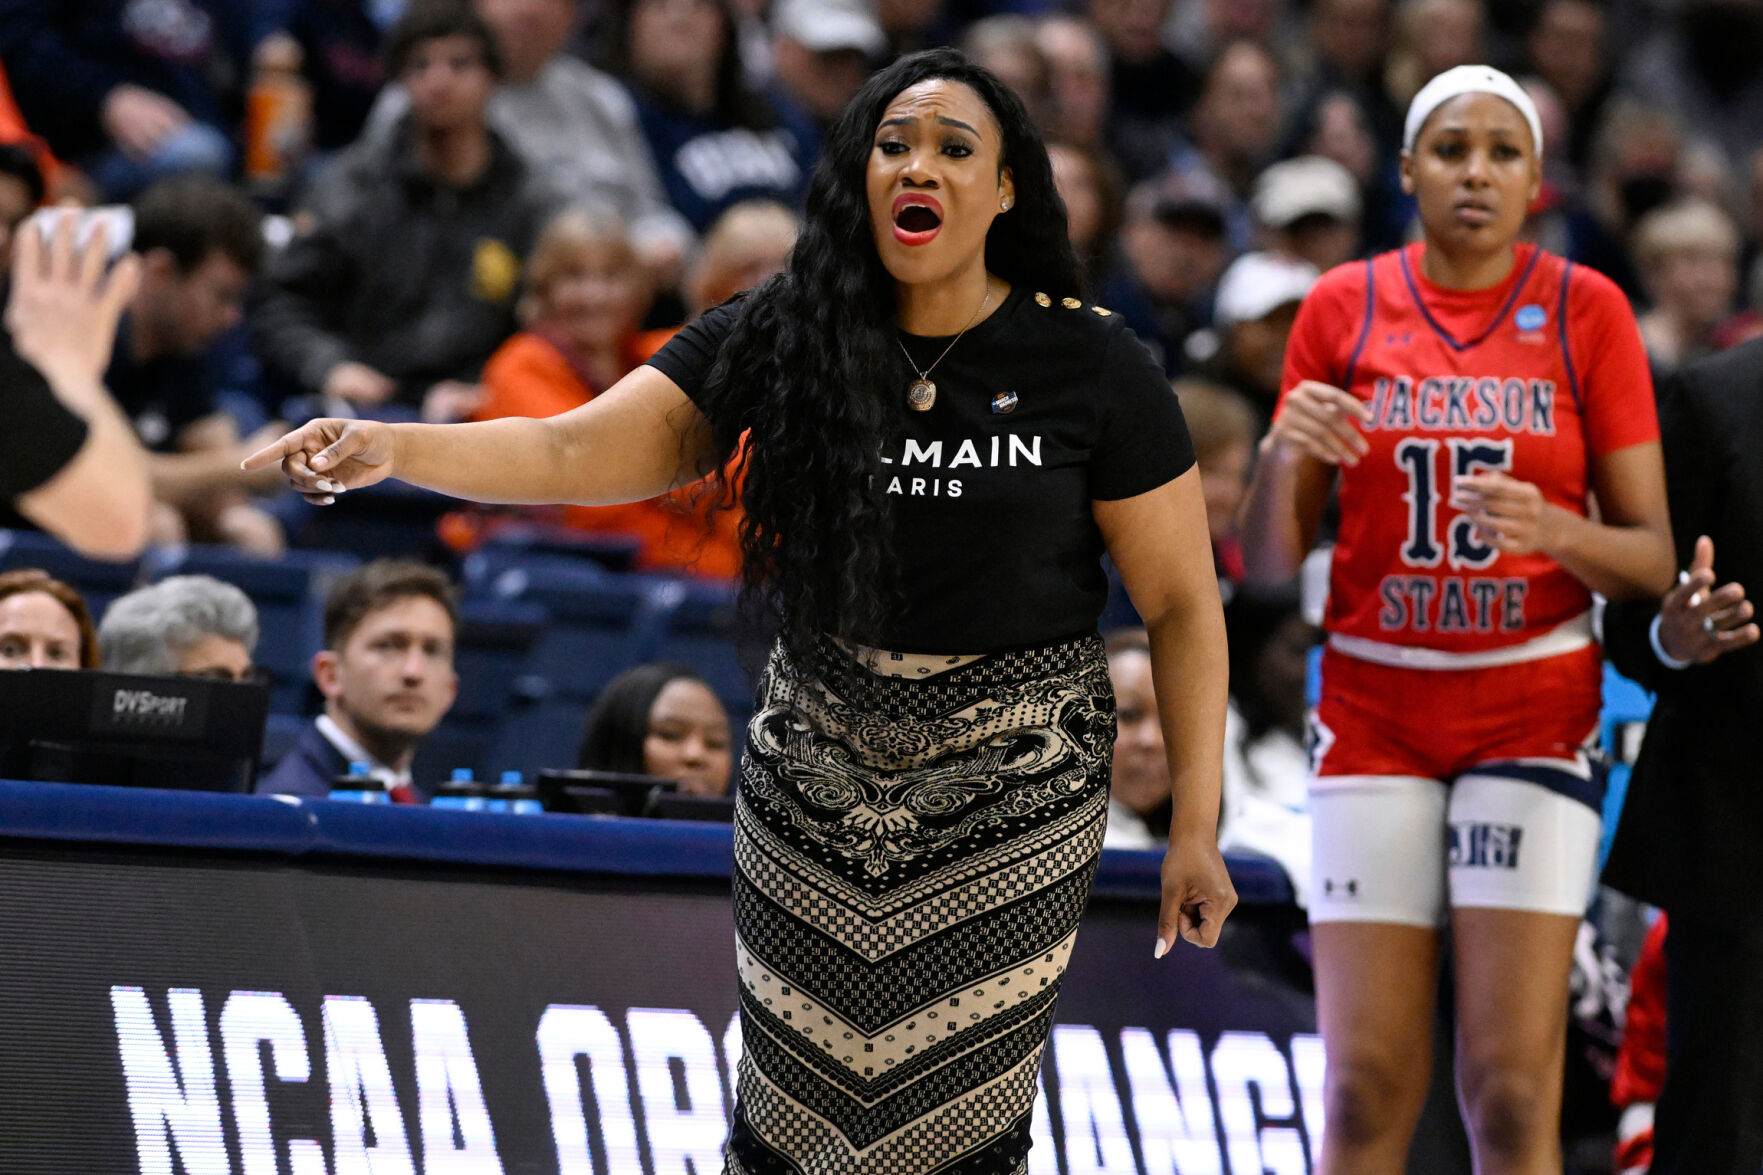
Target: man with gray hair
190,625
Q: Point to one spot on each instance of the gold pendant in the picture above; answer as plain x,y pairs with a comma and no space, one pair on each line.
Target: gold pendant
920,395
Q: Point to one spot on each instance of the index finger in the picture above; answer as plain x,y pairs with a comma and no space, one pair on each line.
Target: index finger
1339,398
284,446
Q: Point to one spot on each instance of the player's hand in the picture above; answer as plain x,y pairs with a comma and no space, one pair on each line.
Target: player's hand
1509,515
138,119
1323,422
1699,622
323,458
1197,894
64,308
358,383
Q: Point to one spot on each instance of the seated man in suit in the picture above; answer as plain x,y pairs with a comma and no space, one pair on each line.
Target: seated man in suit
386,673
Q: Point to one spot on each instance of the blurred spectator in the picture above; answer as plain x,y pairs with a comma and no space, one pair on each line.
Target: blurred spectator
1309,207
1705,65
1336,127
1007,45
911,25
1153,89
716,141
386,673
1431,37
21,190
1257,303
1236,126
1224,429
201,243
821,52
1569,47
1350,40
1688,255
188,625
15,132
403,278
69,460
587,294
573,126
1640,1064
660,720
1094,206
1139,792
1200,28
126,89
1634,165
1173,247
1266,769
339,42
1078,70
746,245
44,624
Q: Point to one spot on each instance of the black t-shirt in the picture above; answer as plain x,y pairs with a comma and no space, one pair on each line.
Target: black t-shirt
38,435
162,396
1041,409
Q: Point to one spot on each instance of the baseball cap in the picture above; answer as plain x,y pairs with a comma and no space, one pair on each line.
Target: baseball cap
1309,185
1190,200
827,26
1257,284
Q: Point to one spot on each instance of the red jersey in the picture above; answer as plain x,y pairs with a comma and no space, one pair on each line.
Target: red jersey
1531,377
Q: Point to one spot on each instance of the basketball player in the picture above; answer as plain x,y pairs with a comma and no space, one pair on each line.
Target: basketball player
1471,397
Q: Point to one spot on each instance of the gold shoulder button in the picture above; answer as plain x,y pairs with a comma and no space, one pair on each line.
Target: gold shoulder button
1071,303
1102,311
1043,300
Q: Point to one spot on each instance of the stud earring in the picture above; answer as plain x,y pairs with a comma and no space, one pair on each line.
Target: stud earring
1005,206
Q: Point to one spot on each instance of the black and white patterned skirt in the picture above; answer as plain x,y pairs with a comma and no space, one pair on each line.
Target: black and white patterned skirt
912,855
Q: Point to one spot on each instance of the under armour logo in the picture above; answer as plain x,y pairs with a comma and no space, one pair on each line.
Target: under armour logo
1350,887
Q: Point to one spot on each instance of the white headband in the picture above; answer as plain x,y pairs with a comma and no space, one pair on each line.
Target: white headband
1469,79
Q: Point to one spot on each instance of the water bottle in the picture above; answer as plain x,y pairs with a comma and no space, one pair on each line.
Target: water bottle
517,795
461,793
360,786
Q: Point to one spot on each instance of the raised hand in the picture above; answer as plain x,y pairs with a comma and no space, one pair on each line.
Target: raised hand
1323,422
1699,622
64,307
323,458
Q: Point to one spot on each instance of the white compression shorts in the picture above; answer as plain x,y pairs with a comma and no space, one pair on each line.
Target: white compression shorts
1406,850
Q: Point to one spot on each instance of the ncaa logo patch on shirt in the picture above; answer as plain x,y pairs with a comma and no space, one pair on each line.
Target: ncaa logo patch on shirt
1530,321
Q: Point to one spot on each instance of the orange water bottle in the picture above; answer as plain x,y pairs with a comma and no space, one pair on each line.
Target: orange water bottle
278,117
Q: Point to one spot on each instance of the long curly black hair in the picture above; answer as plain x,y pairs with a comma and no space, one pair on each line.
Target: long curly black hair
812,371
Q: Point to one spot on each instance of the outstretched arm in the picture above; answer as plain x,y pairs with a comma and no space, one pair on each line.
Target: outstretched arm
640,438
1158,542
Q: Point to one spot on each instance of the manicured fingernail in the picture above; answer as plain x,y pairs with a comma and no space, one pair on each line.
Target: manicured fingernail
327,499
320,461
1162,949
328,486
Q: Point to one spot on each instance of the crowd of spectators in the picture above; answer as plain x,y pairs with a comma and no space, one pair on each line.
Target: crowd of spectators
468,209
464,209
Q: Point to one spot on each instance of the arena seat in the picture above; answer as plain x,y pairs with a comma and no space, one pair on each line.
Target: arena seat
698,627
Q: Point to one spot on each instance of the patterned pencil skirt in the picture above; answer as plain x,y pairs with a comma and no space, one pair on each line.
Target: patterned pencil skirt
911,858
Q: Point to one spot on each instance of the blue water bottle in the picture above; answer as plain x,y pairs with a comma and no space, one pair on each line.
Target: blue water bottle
517,796
461,793
360,786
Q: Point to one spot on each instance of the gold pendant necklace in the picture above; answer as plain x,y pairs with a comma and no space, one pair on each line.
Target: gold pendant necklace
921,393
